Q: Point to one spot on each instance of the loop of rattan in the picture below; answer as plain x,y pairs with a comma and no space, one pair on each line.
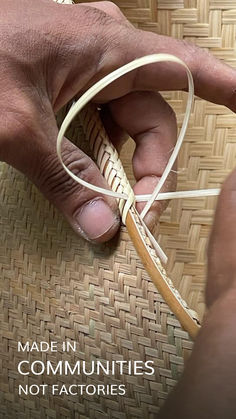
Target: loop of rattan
111,167
89,95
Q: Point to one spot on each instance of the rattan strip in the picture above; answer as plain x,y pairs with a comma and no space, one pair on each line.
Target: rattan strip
111,167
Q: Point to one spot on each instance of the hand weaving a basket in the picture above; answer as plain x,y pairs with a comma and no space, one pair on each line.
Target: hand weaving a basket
107,318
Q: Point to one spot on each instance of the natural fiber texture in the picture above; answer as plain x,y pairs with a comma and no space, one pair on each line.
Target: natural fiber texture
55,286
110,166
209,151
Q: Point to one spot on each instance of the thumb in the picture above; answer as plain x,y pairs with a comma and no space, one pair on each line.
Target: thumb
222,244
93,216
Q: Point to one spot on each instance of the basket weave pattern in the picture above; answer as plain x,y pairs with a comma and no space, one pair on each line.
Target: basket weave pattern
208,153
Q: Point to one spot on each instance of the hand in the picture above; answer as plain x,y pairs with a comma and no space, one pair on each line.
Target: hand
52,52
210,370
222,245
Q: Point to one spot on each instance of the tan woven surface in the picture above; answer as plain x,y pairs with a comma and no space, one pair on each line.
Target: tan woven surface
57,287
209,151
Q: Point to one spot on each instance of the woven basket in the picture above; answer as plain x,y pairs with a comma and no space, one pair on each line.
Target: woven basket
57,287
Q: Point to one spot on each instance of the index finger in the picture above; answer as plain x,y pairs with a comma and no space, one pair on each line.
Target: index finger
214,80
118,44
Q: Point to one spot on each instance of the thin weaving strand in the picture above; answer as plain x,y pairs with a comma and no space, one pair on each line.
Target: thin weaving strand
110,165
179,194
107,157
100,85
128,191
128,194
98,140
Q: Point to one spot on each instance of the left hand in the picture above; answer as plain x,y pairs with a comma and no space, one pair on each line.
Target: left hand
53,52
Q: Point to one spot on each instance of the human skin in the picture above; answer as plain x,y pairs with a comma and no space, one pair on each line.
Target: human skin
207,387
49,54
52,52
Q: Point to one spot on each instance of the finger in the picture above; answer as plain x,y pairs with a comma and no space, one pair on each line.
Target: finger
93,216
116,134
109,8
117,44
151,122
222,244
213,80
218,86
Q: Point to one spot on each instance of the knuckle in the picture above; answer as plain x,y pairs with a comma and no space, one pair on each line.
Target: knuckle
189,46
100,38
197,57
56,183
110,5
105,10
105,35
165,110
192,51
112,9
170,113
95,15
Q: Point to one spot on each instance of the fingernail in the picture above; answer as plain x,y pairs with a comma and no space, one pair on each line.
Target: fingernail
96,218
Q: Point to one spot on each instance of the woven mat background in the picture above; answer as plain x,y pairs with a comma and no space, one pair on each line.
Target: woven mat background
209,152
57,287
